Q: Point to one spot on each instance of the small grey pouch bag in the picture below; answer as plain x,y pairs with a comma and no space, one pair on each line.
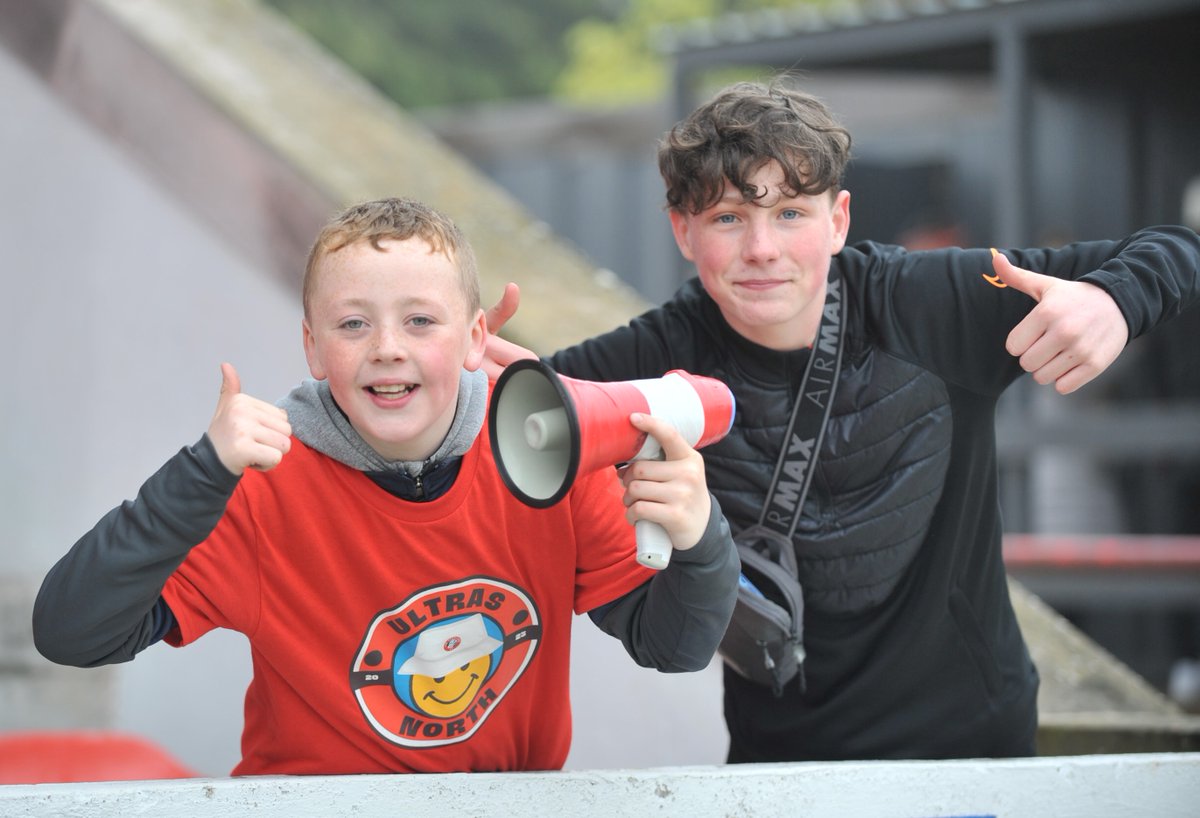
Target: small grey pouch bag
765,639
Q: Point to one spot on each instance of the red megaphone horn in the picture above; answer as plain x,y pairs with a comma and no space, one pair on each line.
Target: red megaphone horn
546,429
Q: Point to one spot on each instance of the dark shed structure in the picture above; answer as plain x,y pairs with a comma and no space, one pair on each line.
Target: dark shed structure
1098,96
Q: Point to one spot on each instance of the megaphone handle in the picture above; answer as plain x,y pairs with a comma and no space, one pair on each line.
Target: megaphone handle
653,544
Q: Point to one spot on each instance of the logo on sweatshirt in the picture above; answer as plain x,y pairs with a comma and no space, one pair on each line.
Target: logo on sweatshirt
431,670
994,280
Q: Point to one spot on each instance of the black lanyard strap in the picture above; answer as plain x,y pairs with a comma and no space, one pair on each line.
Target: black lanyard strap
802,442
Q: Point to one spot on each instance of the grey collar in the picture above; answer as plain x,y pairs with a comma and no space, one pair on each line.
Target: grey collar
320,424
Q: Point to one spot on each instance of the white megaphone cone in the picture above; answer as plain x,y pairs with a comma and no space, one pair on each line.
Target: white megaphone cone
546,429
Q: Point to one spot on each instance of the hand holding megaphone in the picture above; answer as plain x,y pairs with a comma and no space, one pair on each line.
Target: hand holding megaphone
666,497
546,429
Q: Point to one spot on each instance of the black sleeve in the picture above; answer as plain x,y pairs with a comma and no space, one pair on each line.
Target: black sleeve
1154,276
613,356
649,345
675,621
941,310
100,604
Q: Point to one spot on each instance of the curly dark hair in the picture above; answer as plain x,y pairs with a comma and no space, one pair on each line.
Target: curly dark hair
745,126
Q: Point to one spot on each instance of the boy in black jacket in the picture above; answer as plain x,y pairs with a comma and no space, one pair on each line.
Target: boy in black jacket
913,649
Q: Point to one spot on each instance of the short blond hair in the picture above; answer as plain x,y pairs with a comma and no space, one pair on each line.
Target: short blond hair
396,219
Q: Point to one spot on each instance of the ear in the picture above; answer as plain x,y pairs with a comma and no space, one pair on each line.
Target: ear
680,226
840,215
477,343
310,352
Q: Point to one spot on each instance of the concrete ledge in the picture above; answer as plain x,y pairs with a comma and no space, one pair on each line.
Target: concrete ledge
1165,786
1061,734
1089,701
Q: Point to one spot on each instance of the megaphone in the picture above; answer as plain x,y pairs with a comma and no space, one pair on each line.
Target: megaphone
546,429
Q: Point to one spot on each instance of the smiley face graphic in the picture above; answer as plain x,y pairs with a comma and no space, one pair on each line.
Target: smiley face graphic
451,694
449,664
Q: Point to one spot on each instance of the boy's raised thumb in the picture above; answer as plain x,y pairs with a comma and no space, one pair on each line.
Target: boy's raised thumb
231,384
1031,283
504,309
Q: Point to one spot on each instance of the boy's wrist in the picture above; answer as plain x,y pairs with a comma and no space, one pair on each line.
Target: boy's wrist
712,543
205,452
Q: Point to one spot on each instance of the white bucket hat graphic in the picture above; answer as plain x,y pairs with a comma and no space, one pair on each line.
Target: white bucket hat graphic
442,648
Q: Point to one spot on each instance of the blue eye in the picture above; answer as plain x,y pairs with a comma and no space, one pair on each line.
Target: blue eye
726,218
422,321
790,214
353,323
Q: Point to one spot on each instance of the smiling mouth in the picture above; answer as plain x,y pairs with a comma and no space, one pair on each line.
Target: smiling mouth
760,283
471,680
391,391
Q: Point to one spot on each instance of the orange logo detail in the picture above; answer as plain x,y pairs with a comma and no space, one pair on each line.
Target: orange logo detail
994,280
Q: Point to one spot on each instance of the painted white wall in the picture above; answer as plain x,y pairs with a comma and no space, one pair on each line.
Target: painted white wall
626,716
118,308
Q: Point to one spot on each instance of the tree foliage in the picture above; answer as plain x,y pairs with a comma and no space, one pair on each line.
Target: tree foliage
462,51
450,52
616,61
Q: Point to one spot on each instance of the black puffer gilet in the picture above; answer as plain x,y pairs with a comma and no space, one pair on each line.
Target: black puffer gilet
879,473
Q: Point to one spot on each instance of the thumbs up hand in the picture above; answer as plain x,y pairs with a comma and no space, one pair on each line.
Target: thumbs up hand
247,432
1073,333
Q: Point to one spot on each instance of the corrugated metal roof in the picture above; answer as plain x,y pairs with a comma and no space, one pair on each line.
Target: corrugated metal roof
766,24
847,16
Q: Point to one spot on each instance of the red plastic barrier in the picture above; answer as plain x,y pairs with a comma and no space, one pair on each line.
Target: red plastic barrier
43,757
1104,552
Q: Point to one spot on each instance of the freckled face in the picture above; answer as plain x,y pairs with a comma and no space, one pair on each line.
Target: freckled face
391,332
765,262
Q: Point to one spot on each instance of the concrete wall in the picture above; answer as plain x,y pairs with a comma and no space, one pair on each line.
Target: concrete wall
1163,786
119,308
